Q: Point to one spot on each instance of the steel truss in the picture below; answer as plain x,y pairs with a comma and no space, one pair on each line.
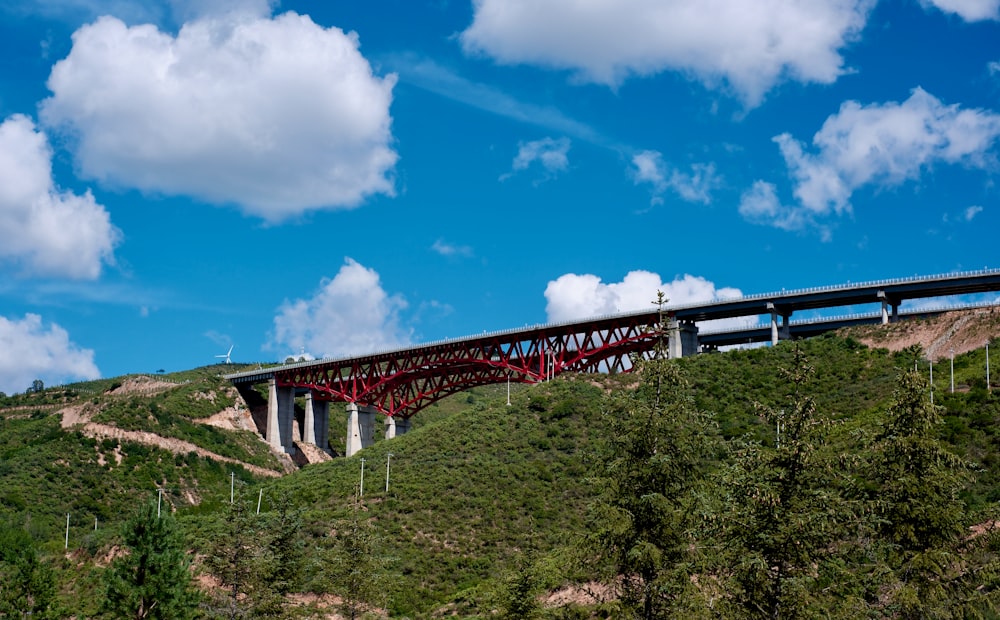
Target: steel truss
401,383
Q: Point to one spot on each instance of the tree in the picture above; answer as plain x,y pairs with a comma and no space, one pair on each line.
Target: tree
785,512
27,583
357,570
644,520
233,560
919,515
151,579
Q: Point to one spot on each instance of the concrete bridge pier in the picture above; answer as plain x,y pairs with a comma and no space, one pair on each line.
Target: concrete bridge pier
280,415
785,331
360,427
394,427
682,339
316,426
887,303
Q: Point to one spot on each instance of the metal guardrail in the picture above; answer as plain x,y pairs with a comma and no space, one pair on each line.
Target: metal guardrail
755,297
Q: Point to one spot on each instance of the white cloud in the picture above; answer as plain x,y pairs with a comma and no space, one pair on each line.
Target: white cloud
696,186
972,212
45,231
572,297
350,314
969,10
883,145
279,116
549,153
745,46
448,249
30,350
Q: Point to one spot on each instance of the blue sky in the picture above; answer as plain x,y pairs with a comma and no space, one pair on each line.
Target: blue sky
183,176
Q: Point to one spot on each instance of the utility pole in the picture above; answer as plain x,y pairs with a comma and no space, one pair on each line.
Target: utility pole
159,500
260,496
952,352
232,486
988,366
388,456
67,532
932,380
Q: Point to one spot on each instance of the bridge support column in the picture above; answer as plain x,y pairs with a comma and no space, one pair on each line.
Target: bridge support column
683,339
280,414
785,332
396,426
317,421
888,303
360,427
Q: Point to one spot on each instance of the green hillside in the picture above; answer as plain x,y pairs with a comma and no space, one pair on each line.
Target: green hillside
485,500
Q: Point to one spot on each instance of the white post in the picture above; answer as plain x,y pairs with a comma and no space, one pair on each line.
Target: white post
362,489
95,524
508,381
932,380
952,387
987,366
67,531
232,485
260,496
159,500
387,457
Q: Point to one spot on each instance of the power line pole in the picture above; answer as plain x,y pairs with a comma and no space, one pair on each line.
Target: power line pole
387,457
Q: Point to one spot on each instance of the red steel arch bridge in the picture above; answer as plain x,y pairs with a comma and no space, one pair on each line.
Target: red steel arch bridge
401,382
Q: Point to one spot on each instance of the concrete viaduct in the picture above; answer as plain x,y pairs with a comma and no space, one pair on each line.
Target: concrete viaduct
399,383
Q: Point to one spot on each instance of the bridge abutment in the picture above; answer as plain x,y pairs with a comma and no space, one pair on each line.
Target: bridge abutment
394,427
360,427
316,426
682,339
280,415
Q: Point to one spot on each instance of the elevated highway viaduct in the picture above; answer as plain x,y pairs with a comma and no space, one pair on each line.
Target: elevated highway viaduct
399,383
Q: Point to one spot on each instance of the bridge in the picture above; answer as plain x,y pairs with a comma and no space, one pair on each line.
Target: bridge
401,382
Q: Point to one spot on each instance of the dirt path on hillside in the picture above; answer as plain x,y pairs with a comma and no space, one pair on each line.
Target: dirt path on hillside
79,416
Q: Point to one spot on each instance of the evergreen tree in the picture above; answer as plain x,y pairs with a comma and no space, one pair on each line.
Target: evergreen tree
784,510
357,570
919,515
27,583
644,521
234,561
151,579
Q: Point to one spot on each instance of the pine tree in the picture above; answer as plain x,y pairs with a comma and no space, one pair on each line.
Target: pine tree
151,579
27,582
357,570
644,521
919,515
233,560
784,509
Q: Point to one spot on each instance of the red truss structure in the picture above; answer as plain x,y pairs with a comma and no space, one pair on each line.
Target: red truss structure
401,383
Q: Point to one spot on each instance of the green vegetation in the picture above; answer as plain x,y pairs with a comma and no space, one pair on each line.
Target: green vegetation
806,479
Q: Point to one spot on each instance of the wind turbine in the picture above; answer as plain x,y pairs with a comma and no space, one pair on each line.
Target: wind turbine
227,360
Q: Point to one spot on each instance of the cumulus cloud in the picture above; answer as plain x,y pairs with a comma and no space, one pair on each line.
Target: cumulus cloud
696,186
550,154
747,47
972,212
882,145
30,350
969,10
571,297
278,116
350,314
45,231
